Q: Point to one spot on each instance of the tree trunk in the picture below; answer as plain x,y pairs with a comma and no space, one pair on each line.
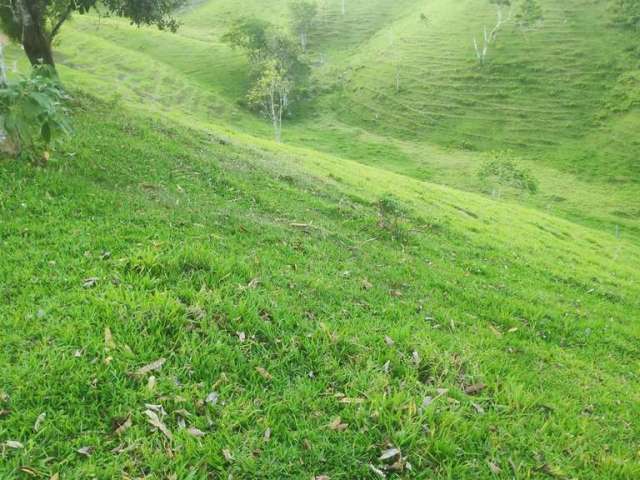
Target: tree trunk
36,42
37,46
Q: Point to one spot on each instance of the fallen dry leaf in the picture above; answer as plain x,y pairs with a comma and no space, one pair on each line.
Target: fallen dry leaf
253,283
263,373
377,471
85,451
157,365
389,341
55,476
212,399
366,284
155,421
267,435
39,422
195,432
151,383
322,477
495,469
415,356
14,444
390,455
337,425
495,331
109,344
121,425
226,453
474,389
395,293
478,408
90,282
241,336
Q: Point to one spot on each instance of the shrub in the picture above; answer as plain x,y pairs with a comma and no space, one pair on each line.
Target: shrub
33,114
391,215
503,171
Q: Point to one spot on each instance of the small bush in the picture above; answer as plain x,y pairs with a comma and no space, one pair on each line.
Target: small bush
391,216
502,171
33,114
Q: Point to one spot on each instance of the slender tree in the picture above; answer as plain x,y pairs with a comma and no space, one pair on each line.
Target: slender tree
270,94
35,23
278,70
303,17
489,37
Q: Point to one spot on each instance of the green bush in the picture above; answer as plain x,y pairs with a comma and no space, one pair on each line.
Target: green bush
33,114
503,171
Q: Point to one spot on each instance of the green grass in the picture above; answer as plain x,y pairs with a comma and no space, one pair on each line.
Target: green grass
552,97
203,243
222,252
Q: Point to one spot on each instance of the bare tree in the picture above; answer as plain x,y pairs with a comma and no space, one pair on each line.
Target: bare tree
489,37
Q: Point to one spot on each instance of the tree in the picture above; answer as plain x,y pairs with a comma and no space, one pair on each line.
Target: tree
278,70
35,23
270,94
529,14
489,37
626,13
303,17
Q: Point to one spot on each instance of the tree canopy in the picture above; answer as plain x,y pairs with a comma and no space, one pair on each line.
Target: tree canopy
35,23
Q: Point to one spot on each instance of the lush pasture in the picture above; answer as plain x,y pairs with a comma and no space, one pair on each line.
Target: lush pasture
353,290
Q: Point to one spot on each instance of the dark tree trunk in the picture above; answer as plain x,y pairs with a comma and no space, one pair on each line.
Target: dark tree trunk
35,40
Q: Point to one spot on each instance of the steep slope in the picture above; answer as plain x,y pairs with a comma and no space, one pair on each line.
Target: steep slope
474,335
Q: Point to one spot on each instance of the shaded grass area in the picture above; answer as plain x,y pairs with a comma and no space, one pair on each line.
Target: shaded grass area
225,257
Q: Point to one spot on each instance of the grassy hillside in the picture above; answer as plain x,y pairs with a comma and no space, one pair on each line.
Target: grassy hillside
313,304
483,340
559,99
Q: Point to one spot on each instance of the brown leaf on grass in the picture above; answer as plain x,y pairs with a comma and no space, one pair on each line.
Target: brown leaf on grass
474,389
85,451
157,365
212,399
109,344
389,341
322,477
337,425
151,383
478,408
90,282
14,444
253,283
395,293
31,471
495,331
226,453
494,467
241,336
267,435
263,373
155,421
120,425
351,401
55,476
377,471
390,455
415,356
39,421
195,432
366,284
4,412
